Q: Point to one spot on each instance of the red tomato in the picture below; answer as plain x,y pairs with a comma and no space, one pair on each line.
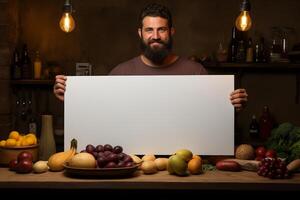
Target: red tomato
271,153
260,151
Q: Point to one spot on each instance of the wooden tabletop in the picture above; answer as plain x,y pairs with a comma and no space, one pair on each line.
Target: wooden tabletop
210,180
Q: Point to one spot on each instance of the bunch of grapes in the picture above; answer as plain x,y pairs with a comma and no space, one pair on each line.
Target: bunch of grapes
109,157
273,168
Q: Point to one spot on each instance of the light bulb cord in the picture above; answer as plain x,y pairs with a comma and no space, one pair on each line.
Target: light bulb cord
245,6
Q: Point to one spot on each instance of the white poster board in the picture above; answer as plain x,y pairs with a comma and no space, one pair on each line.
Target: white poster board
151,114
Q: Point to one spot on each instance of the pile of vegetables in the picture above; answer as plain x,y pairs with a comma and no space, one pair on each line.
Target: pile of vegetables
285,139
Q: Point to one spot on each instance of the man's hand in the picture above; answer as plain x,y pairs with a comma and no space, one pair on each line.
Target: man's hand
60,87
239,98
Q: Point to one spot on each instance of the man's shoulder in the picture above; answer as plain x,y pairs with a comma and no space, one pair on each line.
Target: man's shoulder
124,67
191,66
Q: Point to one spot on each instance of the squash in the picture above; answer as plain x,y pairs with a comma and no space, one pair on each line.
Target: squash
56,161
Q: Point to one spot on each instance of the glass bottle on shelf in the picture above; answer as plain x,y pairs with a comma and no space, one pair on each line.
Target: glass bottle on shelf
241,52
254,128
249,51
266,123
15,66
233,46
260,51
26,64
37,65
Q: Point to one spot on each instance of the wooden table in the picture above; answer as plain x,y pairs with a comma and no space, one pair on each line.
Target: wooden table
211,180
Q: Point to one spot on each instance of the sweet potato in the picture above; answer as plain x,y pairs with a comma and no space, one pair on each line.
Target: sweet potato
228,166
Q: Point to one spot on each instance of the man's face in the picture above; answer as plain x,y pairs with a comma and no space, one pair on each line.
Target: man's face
156,39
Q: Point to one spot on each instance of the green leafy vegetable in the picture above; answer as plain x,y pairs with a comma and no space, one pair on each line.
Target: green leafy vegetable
285,140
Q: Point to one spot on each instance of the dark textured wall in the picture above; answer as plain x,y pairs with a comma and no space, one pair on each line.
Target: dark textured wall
106,34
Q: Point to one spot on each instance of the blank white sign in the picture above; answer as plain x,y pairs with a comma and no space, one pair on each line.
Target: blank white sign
151,114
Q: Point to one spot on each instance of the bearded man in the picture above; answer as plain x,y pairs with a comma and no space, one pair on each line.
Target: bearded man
156,37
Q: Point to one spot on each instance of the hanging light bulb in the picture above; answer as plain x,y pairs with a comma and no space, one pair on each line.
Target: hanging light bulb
243,21
67,23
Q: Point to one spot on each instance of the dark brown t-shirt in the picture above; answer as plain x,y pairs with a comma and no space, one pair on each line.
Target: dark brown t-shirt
182,66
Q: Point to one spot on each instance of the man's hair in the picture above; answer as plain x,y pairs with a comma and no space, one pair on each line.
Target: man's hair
156,10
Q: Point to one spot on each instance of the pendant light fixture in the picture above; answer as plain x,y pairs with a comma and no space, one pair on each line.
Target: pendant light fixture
67,23
243,22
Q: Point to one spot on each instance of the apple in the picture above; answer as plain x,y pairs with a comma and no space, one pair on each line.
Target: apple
25,155
271,153
12,165
24,166
260,151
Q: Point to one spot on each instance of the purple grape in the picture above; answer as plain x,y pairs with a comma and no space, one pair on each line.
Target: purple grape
108,147
95,154
90,148
112,158
101,161
127,158
121,164
100,154
107,153
100,148
121,156
111,165
118,149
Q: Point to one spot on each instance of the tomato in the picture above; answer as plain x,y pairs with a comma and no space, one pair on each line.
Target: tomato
260,151
271,153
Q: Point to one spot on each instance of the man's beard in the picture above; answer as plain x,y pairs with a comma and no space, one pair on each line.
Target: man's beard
157,54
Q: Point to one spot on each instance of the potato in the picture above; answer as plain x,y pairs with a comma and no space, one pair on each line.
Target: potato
149,167
40,167
161,163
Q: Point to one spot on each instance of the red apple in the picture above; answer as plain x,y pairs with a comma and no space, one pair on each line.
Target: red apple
12,165
25,155
271,153
260,151
24,166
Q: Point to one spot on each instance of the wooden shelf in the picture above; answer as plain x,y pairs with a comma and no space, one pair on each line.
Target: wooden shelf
210,180
32,82
254,66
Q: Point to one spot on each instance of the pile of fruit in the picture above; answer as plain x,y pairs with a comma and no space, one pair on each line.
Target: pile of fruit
183,162
15,139
23,163
273,168
107,156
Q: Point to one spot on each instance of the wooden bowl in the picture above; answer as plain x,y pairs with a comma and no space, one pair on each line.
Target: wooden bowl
9,153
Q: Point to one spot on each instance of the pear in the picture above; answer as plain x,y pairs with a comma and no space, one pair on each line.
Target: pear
185,154
178,165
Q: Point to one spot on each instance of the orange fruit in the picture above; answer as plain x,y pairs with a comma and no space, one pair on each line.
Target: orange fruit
195,166
11,142
2,143
197,157
14,135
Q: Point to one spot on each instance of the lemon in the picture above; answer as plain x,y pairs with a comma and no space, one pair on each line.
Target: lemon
11,142
31,138
2,143
18,143
14,135
24,142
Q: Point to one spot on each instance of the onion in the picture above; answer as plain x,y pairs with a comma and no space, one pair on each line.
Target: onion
83,160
